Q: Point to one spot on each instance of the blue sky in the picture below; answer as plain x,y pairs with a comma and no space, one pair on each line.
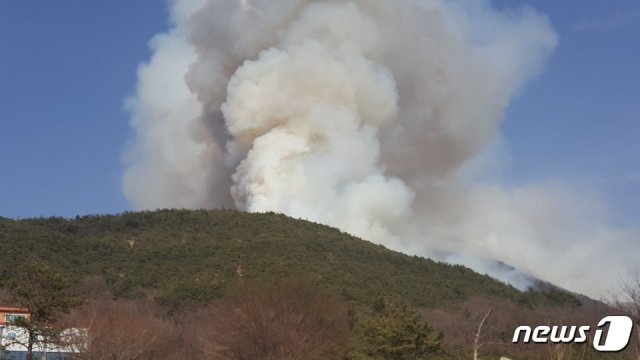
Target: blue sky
580,120
65,68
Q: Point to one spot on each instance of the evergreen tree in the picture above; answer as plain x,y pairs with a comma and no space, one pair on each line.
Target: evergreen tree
44,292
394,332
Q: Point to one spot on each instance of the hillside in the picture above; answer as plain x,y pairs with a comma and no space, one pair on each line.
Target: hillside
181,257
198,264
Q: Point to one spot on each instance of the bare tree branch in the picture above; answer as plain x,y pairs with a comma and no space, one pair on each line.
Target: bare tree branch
476,341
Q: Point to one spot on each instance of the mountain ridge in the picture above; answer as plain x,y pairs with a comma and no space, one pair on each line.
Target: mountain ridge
192,255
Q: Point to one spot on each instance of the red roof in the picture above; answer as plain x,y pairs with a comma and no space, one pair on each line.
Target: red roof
14,310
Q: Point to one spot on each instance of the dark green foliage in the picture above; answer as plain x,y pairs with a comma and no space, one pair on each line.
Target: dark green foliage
187,258
180,256
394,332
44,291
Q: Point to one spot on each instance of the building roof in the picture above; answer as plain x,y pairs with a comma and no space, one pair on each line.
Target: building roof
14,310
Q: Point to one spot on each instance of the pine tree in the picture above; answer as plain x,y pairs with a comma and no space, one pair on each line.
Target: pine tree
394,332
44,292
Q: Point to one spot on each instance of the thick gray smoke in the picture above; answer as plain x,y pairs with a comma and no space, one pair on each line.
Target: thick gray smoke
374,116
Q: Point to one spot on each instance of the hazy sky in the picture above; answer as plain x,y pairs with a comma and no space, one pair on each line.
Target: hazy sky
66,66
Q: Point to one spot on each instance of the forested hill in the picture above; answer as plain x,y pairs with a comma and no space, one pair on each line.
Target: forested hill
190,257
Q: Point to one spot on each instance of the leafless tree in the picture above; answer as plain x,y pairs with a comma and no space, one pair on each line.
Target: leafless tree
286,320
627,299
478,335
119,330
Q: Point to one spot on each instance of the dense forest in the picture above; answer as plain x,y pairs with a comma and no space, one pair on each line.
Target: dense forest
232,285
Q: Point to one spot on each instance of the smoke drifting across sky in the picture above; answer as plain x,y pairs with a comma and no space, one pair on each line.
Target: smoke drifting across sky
377,117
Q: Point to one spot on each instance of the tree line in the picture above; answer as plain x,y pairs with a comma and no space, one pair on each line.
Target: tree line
284,319
288,319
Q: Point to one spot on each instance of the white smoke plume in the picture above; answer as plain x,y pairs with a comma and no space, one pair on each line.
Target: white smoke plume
373,116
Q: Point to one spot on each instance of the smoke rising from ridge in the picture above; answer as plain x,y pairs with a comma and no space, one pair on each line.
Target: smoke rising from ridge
372,116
